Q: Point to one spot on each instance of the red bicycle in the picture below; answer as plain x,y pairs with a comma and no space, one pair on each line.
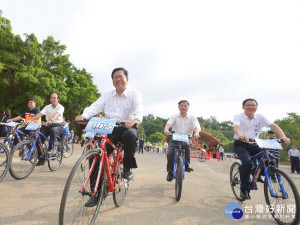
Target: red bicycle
90,179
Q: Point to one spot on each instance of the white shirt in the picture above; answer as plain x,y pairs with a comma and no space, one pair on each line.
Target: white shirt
49,111
293,153
184,125
250,127
127,106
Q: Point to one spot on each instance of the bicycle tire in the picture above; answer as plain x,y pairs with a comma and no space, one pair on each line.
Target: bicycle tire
179,178
293,198
235,182
21,166
121,186
5,161
86,148
55,157
72,209
68,149
202,157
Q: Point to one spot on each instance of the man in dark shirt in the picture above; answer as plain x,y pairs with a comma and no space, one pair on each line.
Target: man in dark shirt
27,115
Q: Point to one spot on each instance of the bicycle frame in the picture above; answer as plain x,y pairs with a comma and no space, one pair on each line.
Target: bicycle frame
110,174
262,157
179,153
38,135
14,134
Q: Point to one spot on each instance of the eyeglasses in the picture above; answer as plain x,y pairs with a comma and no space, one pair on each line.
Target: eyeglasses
121,77
251,105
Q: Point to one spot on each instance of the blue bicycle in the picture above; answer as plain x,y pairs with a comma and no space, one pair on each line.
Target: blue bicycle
25,154
280,191
179,163
13,138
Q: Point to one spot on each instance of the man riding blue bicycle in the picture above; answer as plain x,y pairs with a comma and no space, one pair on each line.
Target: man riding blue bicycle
248,125
181,123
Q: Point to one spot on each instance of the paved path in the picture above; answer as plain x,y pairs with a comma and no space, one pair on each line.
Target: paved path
151,199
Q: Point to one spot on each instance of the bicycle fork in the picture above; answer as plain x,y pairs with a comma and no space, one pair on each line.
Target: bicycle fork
282,189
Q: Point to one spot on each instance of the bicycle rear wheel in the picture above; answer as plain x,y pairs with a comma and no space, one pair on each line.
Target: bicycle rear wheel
202,157
179,178
286,210
68,149
55,157
4,161
23,160
235,180
121,186
72,207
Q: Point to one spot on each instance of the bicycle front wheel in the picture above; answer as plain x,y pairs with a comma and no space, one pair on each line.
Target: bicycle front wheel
179,178
202,157
4,161
235,180
121,186
76,194
55,157
285,205
23,160
68,149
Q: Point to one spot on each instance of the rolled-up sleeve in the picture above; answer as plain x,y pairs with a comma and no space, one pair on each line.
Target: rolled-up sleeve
138,107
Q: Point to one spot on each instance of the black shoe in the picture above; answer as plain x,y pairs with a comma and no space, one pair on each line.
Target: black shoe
170,176
292,172
128,174
188,169
260,179
40,162
245,194
91,202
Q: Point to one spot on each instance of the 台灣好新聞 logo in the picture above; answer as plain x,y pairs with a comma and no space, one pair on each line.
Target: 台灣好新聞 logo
233,211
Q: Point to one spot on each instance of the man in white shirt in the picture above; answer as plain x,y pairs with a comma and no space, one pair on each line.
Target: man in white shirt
124,105
248,125
181,123
53,126
294,157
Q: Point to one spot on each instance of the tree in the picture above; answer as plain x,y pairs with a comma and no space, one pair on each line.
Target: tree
156,137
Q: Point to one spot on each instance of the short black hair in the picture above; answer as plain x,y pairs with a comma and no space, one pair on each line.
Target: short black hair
249,99
271,132
182,101
55,93
117,69
32,100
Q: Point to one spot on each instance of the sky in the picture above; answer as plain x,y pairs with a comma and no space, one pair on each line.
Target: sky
213,53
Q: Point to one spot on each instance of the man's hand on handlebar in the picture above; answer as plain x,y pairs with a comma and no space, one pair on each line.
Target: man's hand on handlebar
286,140
244,138
130,123
80,118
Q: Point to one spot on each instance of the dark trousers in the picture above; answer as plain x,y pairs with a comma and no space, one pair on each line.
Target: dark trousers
245,151
294,164
29,133
141,149
171,154
221,155
53,131
127,137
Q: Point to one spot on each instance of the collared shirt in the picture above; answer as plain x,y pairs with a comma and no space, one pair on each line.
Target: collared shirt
221,149
250,127
49,111
293,153
184,125
127,106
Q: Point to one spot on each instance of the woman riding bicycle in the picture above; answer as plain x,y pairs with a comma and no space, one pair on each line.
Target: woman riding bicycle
248,125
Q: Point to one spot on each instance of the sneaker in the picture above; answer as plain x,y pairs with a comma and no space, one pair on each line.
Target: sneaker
260,179
91,202
40,162
245,194
170,176
128,174
188,169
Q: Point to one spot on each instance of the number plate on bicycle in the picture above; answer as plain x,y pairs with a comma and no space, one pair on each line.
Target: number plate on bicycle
268,144
12,124
100,125
32,126
180,137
